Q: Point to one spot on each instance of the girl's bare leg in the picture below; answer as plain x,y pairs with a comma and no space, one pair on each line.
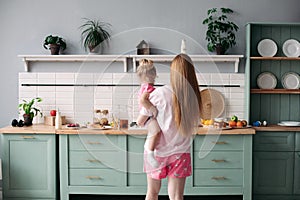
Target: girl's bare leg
153,188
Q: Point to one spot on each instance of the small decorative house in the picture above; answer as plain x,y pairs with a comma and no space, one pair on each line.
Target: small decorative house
143,48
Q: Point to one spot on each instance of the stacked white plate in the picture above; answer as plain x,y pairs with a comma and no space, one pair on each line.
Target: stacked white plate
289,123
266,80
291,48
267,48
290,80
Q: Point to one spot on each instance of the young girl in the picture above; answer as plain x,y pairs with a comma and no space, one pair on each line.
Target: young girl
146,73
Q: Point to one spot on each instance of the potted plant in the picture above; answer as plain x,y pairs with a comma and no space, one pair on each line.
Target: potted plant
55,44
220,33
95,35
29,110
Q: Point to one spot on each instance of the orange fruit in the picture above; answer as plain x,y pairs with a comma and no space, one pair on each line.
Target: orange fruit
239,124
211,122
232,123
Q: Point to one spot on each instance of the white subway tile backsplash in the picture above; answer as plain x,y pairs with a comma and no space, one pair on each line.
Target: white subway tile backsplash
122,78
49,89
65,95
64,101
24,75
65,76
64,89
203,78
78,103
46,76
84,78
103,78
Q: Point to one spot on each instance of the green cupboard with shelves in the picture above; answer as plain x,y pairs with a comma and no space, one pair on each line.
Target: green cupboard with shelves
29,166
276,164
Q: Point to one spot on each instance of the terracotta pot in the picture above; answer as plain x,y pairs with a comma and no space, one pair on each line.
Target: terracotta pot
27,120
54,48
95,49
220,50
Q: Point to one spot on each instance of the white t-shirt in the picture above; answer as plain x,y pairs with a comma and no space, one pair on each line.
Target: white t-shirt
171,141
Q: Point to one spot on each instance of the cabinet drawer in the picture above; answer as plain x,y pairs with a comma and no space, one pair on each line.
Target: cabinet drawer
100,177
274,141
213,159
94,142
297,141
218,177
96,159
218,142
297,173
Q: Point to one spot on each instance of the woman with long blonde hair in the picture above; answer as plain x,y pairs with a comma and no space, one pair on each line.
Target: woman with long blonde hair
178,106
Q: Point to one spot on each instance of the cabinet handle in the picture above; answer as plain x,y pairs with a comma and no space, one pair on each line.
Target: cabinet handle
217,161
90,142
221,142
218,178
28,137
93,177
93,161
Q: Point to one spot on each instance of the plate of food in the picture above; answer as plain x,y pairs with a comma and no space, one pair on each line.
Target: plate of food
99,127
267,48
73,126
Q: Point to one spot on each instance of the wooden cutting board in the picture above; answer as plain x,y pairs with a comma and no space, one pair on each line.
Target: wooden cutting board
212,104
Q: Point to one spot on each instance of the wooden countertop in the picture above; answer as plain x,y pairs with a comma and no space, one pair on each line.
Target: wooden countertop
45,129
273,127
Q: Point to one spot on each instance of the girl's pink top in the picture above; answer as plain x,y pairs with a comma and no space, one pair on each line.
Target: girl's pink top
145,87
170,141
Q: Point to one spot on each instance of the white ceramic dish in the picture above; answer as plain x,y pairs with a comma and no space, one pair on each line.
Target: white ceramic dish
290,123
280,124
95,127
291,48
290,80
266,80
267,48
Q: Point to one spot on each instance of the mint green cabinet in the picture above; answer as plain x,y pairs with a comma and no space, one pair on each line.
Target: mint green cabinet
29,166
113,164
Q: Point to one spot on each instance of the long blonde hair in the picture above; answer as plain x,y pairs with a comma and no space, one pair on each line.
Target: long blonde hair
186,95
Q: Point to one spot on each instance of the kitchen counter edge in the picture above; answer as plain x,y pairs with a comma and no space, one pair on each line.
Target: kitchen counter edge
44,129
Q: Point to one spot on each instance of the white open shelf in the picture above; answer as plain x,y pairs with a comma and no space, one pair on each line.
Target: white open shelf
123,58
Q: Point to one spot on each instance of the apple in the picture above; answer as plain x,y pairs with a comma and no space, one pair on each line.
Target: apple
53,112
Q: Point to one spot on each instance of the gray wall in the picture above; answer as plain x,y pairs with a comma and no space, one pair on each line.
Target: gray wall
25,23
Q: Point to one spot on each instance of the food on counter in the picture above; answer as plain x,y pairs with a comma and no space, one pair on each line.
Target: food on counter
245,123
73,125
234,118
14,123
52,113
257,123
239,124
232,123
265,123
103,121
20,123
219,123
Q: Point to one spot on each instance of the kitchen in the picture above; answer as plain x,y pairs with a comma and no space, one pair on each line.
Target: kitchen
100,85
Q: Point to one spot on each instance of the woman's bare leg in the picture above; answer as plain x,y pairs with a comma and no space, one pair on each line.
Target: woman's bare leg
153,188
176,188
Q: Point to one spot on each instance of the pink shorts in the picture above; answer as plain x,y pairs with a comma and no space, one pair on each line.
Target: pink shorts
174,166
